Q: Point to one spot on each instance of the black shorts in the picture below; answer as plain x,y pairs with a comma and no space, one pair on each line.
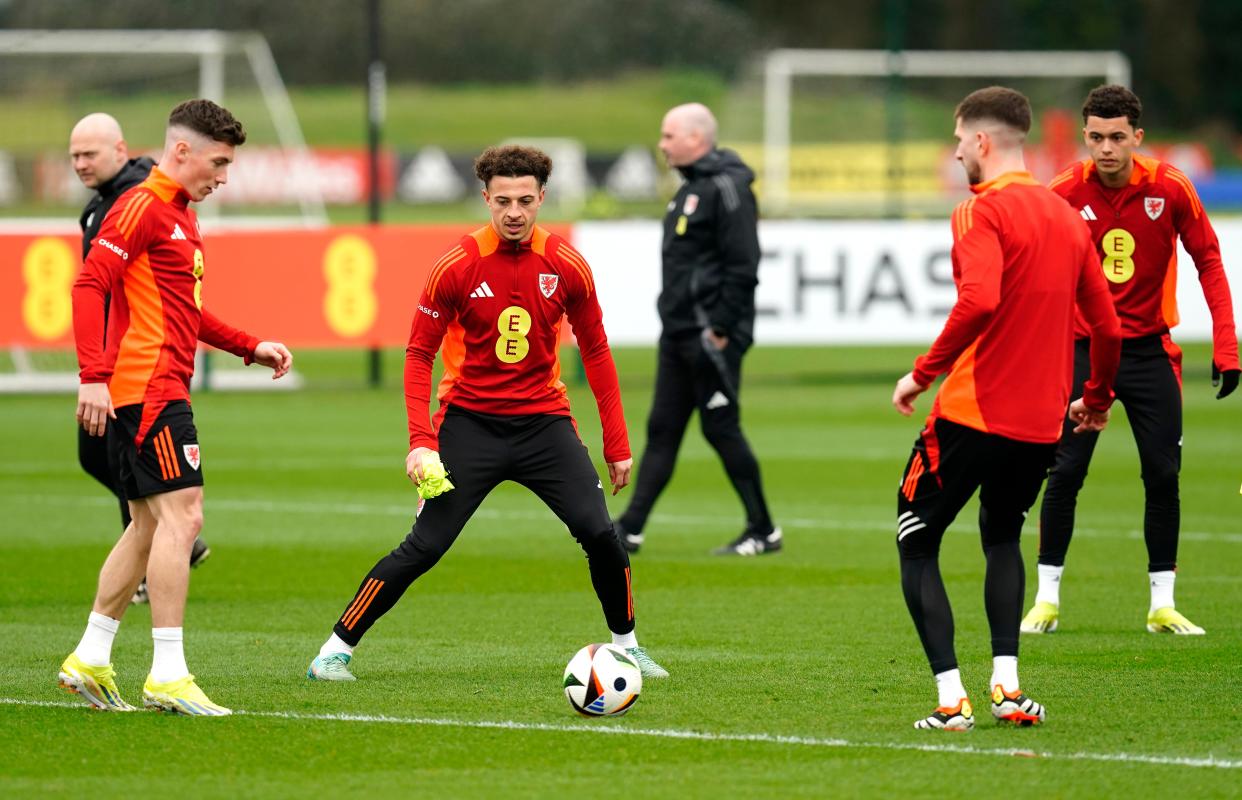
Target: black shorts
948,464
168,458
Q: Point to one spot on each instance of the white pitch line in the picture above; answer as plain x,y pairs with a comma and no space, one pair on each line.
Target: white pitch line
407,512
706,736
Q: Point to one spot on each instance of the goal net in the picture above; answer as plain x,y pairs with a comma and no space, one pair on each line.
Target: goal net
54,78
867,133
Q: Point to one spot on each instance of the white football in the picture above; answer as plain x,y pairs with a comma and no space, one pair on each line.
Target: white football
602,680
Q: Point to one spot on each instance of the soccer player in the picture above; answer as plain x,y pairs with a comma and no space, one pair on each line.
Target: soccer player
1136,208
1021,258
101,160
149,257
707,310
493,306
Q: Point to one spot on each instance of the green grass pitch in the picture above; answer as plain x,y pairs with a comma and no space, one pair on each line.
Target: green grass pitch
796,674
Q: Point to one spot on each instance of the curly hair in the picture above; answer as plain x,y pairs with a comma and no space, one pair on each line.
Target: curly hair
996,104
1111,101
209,119
513,161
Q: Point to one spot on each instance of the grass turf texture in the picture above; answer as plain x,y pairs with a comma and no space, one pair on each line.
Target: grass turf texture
306,491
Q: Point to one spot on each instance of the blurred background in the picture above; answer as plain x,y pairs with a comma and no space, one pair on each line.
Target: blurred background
372,112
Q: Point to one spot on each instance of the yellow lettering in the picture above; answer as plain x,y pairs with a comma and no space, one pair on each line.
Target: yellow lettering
513,324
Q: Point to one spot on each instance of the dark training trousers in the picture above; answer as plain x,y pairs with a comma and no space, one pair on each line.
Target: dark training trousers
948,463
93,455
686,379
1149,385
541,452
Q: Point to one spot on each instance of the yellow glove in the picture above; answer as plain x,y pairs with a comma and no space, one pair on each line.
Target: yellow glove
435,480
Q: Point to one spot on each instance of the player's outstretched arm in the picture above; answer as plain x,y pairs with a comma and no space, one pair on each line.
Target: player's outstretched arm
274,355
619,474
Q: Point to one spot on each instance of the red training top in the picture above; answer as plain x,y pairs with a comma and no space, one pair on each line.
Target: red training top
497,307
1137,226
149,255
1020,260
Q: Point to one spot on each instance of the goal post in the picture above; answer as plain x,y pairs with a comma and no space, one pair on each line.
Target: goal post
225,64
51,78
782,67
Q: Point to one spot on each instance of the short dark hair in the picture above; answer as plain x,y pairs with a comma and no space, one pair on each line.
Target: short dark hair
213,121
996,104
1111,101
513,161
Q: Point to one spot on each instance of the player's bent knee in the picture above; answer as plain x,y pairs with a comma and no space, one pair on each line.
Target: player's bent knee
1161,480
593,537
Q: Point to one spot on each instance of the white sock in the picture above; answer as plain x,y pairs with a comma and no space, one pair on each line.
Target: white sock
335,644
1005,672
625,640
168,663
949,687
1162,589
1049,584
95,649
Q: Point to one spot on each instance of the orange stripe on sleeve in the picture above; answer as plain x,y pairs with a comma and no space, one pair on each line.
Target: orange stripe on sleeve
433,283
1064,177
136,217
578,262
128,211
1181,180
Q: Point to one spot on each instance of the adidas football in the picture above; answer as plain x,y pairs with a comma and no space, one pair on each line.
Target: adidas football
602,680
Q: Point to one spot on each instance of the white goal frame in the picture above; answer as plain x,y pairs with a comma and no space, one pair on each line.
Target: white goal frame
210,47
781,66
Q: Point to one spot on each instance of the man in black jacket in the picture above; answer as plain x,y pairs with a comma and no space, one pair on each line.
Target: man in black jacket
101,160
707,309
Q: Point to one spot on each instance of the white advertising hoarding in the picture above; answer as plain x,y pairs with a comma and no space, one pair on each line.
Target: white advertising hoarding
837,282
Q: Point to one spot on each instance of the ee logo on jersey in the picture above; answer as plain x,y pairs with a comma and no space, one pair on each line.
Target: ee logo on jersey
199,266
513,324
1118,246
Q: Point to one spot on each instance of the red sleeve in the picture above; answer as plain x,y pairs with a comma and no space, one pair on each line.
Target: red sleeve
222,336
436,309
1095,303
101,274
587,320
1201,243
978,265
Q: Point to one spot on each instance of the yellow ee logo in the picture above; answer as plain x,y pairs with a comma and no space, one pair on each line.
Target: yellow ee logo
350,305
199,267
513,324
48,267
682,222
1118,262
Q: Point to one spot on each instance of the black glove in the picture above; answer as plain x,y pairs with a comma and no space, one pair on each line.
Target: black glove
1226,380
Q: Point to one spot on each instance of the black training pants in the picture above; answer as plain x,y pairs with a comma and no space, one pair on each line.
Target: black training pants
688,379
541,452
1149,385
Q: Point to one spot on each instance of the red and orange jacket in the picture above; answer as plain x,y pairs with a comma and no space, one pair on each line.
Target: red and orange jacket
495,309
149,256
1136,228
1021,260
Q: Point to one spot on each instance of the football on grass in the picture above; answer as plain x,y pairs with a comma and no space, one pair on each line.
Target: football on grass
602,680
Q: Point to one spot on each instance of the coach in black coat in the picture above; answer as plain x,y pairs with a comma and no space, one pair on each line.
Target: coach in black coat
707,309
